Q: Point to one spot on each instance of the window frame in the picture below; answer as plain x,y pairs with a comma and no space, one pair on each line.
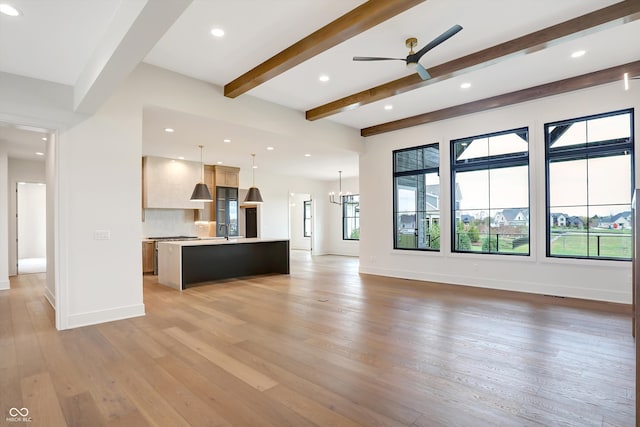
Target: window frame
345,218
306,217
585,152
422,171
489,163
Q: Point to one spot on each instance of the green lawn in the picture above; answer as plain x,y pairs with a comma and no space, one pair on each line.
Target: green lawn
408,241
600,243
603,243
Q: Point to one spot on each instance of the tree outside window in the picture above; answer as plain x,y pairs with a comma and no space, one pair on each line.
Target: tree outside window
490,193
351,217
416,201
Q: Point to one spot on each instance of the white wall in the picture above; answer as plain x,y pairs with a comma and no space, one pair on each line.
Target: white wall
296,222
590,279
100,187
52,218
100,191
32,220
338,246
21,171
4,222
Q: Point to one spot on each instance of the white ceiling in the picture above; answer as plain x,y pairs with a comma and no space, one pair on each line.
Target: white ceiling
24,142
55,40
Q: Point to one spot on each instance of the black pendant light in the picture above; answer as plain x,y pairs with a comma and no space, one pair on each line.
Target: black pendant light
253,196
201,193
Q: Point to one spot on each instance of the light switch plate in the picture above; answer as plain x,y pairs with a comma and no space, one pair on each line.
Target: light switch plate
102,235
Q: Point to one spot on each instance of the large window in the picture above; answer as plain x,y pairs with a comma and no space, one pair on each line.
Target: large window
589,184
490,193
307,218
351,217
416,199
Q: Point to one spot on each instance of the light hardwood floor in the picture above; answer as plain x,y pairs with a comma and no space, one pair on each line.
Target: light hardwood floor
323,346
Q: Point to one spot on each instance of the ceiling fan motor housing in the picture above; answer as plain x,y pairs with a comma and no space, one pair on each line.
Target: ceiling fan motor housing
411,42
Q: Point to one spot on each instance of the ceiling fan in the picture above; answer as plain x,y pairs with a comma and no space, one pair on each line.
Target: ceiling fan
413,57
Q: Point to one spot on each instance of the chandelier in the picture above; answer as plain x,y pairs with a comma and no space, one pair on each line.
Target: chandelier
332,195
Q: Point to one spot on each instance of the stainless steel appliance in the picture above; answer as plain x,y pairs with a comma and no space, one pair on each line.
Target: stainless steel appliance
165,239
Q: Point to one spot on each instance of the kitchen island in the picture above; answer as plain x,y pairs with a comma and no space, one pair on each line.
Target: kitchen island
184,264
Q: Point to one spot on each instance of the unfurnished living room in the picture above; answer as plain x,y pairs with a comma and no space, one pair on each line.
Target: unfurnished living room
303,213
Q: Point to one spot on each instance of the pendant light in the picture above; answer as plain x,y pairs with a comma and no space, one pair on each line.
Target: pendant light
201,192
253,196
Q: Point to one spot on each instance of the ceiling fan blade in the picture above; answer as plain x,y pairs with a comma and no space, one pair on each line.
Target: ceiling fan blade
422,72
435,42
375,58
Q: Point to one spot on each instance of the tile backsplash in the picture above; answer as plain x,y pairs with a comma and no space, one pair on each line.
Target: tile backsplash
168,222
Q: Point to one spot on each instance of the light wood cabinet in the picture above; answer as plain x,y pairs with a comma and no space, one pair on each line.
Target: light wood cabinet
227,176
208,212
148,254
216,176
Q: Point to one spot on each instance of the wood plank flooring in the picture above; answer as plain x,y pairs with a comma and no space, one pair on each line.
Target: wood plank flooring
323,346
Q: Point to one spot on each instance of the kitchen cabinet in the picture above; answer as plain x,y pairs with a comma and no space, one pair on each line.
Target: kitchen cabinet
226,211
148,254
227,176
168,183
186,264
219,177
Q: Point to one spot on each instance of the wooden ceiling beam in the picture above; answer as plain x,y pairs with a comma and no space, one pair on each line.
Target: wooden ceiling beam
584,81
360,19
598,20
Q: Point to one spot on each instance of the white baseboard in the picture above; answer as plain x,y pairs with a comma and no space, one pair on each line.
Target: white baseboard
559,290
103,316
50,297
4,285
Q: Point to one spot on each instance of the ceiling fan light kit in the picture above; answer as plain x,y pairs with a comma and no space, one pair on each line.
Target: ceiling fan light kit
413,58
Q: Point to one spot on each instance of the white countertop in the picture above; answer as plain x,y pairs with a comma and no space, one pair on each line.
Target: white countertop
218,241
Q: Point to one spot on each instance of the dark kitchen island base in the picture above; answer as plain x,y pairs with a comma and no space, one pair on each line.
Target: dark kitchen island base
207,263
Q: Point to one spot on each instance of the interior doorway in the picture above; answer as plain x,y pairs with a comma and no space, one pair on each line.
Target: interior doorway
31,228
301,221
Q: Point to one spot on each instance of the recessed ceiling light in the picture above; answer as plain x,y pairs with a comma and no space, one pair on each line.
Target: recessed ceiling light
44,138
388,107
465,85
226,141
270,148
169,130
9,10
180,158
219,163
38,153
217,32
578,53
307,155
323,78
255,166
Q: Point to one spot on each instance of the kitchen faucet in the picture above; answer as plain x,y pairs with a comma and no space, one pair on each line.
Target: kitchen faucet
226,230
